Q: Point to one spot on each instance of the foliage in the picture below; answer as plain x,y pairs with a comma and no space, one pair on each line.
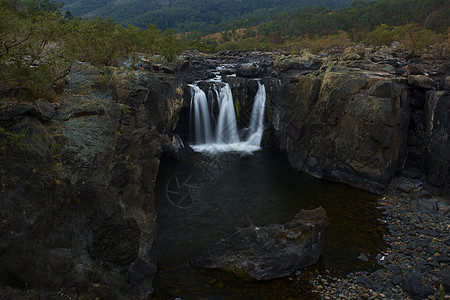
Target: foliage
317,43
98,41
413,23
202,46
31,57
104,42
252,43
12,140
276,17
361,17
190,15
412,36
38,46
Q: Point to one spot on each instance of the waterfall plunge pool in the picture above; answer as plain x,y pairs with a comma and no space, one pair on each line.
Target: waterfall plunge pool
200,199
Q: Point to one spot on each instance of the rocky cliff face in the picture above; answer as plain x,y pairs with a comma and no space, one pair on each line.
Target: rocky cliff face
77,179
76,208
362,119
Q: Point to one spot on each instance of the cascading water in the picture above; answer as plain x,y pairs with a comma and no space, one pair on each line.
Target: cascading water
203,129
226,130
226,137
257,118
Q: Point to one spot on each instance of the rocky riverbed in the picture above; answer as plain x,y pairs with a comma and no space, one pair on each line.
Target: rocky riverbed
415,264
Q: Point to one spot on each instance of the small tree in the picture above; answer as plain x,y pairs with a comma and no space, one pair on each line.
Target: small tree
170,45
99,42
31,56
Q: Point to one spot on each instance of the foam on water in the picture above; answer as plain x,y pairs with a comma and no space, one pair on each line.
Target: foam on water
226,136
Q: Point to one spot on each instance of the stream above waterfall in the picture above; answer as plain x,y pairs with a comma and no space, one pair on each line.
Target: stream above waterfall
229,190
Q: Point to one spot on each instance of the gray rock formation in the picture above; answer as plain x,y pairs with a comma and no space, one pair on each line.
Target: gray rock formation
436,162
345,125
360,122
272,251
77,203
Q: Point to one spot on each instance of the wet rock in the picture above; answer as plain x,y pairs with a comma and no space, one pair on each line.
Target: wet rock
444,276
11,113
437,145
270,252
414,286
383,259
413,69
168,69
174,147
363,257
332,126
365,281
444,209
422,81
443,258
405,188
251,71
427,205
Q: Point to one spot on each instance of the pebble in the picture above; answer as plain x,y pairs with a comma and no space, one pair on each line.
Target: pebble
416,242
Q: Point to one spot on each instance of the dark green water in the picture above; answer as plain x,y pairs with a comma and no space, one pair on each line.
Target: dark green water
199,200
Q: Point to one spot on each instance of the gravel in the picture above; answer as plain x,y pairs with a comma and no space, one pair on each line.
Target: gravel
415,263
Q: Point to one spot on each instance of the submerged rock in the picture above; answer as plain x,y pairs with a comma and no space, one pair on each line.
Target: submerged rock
272,251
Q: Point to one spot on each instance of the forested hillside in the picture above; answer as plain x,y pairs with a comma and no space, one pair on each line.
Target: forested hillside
362,16
38,44
191,15
415,23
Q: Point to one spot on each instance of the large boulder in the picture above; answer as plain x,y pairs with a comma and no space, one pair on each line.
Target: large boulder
422,81
304,61
270,252
344,124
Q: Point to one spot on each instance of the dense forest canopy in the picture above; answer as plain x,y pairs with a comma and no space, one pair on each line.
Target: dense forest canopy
274,19
187,15
363,16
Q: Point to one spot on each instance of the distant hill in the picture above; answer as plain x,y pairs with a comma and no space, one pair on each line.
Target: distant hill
190,15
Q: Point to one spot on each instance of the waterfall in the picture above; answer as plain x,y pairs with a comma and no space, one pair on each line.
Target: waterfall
203,129
256,128
226,130
226,135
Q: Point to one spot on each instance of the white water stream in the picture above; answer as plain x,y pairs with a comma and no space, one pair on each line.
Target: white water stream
226,135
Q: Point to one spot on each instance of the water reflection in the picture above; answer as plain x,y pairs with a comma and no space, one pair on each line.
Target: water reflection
230,190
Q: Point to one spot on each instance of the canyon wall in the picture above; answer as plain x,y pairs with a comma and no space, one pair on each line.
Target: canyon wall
363,120
77,202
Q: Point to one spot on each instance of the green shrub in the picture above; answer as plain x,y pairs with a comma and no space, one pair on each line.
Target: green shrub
12,141
32,59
